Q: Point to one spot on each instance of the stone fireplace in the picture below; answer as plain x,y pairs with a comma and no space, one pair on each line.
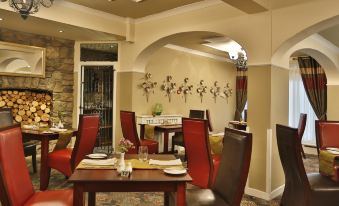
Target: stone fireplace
58,71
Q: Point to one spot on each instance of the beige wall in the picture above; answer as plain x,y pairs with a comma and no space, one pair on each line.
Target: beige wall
180,65
279,115
259,103
332,102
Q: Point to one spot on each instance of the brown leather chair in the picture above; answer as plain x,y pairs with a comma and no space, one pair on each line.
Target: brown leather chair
66,160
177,138
15,185
302,189
6,119
229,186
327,134
129,131
301,130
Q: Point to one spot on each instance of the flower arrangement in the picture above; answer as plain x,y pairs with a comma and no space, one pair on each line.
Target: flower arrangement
125,145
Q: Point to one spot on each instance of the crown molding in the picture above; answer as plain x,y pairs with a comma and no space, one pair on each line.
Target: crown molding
199,53
179,10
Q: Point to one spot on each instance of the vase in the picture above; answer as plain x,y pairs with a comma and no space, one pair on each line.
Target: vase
121,163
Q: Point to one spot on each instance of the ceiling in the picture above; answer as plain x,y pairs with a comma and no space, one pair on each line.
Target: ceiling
331,34
129,8
41,26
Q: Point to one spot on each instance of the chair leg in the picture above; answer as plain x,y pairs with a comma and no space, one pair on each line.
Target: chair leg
34,161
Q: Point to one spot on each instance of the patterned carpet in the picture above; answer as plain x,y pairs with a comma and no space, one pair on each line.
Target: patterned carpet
58,181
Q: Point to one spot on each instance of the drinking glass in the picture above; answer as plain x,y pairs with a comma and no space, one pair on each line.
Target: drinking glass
142,153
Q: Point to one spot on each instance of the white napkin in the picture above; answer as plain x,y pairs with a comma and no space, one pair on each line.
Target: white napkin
165,162
217,134
99,162
57,130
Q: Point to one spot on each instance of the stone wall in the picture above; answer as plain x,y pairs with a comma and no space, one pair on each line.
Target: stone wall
58,70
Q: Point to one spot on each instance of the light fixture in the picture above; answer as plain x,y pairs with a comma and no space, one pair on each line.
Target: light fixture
61,31
27,7
1,19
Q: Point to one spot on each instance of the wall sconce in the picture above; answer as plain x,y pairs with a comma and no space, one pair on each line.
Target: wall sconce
148,86
201,89
168,87
227,91
215,91
185,89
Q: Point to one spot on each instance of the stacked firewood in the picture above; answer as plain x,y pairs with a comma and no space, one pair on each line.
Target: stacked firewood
27,107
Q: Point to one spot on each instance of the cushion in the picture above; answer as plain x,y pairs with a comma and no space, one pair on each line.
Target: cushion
63,140
149,131
61,161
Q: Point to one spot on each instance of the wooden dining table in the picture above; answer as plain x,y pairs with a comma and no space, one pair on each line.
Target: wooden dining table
44,138
164,128
141,180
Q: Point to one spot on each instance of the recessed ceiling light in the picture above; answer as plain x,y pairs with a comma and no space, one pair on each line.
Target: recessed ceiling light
1,19
60,31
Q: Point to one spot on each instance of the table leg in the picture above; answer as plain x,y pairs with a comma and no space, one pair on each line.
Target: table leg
91,198
165,142
44,171
142,131
181,194
166,199
78,195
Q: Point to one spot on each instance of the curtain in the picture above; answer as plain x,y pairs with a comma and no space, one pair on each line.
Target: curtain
298,103
314,79
241,92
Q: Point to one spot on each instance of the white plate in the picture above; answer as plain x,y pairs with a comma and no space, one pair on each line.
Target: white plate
332,148
97,156
175,171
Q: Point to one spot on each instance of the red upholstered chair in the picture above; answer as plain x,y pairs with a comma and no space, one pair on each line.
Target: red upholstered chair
301,130
15,185
200,162
129,131
230,182
327,134
66,160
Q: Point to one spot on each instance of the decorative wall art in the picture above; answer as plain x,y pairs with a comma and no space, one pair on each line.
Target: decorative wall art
227,91
215,91
148,86
168,87
22,60
202,88
185,89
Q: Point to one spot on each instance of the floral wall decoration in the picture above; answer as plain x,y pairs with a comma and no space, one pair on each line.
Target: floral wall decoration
227,91
148,86
215,91
168,87
185,89
202,88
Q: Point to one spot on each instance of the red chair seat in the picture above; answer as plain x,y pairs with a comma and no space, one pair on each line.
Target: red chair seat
61,161
53,197
153,146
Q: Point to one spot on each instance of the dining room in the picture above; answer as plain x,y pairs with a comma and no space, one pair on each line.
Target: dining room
156,75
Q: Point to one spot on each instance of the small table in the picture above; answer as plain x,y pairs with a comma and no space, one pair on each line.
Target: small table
166,129
141,180
44,138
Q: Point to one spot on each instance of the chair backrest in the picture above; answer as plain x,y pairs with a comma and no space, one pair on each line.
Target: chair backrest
129,129
16,185
86,138
6,117
302,125
208,117
198,114
327,134
296,182
234,165
197,148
